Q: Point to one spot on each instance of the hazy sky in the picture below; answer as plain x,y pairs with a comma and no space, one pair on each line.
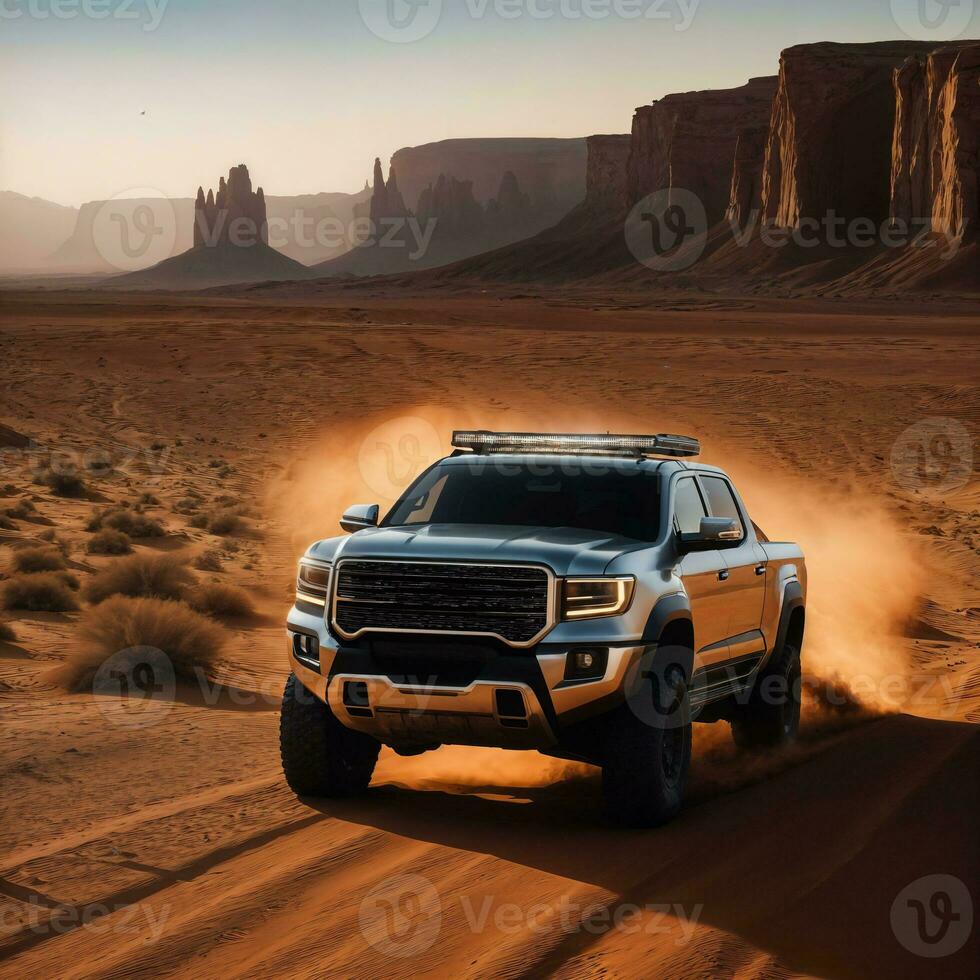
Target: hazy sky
306,94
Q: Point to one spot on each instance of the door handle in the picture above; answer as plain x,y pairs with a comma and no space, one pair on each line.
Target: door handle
723,576
760,569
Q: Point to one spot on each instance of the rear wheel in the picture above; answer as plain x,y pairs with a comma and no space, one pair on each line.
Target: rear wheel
772,715
320,757
647,756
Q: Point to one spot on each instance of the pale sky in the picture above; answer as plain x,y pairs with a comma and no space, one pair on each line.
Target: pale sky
305,94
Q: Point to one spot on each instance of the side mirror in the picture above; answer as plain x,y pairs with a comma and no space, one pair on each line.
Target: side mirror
359,516
716,532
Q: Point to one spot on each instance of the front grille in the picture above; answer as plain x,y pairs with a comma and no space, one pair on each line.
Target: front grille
434,597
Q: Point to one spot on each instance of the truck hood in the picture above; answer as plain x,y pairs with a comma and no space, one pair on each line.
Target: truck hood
567,551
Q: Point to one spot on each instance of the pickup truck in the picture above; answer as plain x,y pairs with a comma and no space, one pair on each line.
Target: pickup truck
587,596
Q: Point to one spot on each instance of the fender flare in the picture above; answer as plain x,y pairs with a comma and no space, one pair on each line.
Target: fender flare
792,600
670,609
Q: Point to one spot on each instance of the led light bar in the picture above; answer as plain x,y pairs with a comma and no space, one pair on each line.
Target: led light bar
658,445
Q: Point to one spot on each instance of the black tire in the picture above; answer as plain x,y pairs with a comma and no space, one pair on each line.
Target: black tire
771,718
320,757
647,756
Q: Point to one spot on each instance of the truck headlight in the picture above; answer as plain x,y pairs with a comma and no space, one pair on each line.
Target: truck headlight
313,582
590,598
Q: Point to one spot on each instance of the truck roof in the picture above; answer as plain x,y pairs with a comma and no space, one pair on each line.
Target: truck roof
576,460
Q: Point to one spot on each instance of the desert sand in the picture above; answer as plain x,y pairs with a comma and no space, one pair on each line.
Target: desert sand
171,846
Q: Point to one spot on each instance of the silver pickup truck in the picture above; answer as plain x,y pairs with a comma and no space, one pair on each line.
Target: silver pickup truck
588,596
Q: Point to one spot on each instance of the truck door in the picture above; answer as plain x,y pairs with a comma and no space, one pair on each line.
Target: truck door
746,572
704,574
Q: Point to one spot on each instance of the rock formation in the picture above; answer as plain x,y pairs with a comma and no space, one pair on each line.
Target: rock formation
550,171
829,145
606,174
746,191
688,141
451,204
511,207
234,215
935,168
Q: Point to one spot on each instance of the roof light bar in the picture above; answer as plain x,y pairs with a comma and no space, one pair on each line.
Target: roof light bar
634,445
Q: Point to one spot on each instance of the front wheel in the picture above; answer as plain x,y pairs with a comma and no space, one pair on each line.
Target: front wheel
771,717
320,757
648,756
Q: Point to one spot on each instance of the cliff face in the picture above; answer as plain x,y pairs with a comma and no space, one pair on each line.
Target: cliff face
235,214
936,144
451,204
688,141
606,174
829,145
550,171
746,191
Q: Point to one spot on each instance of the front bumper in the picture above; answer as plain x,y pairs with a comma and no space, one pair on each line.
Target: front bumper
519,700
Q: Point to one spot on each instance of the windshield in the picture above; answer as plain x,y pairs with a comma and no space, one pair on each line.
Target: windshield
618,500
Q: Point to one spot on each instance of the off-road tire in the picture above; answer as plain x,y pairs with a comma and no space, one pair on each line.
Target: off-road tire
320,757
647,756
771,717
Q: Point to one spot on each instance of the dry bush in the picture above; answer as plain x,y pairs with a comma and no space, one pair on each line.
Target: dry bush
186,505
142,576
208,561
21,511
28,560
66,482
109,542
218,599
124,520
8,490
122,626
7,634
224,522
148,499
39,592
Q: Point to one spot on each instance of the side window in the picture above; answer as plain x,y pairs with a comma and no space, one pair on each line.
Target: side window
688,507
721,500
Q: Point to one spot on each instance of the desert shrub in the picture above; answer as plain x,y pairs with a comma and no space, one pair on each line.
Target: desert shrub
148,499
186,505
6,524
208,561
200,521
217,599
224,522
38,592
128,628
125,520
226,500
158,446
7,634
7,490
21,511
67,482
28,560
141,576
109,542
